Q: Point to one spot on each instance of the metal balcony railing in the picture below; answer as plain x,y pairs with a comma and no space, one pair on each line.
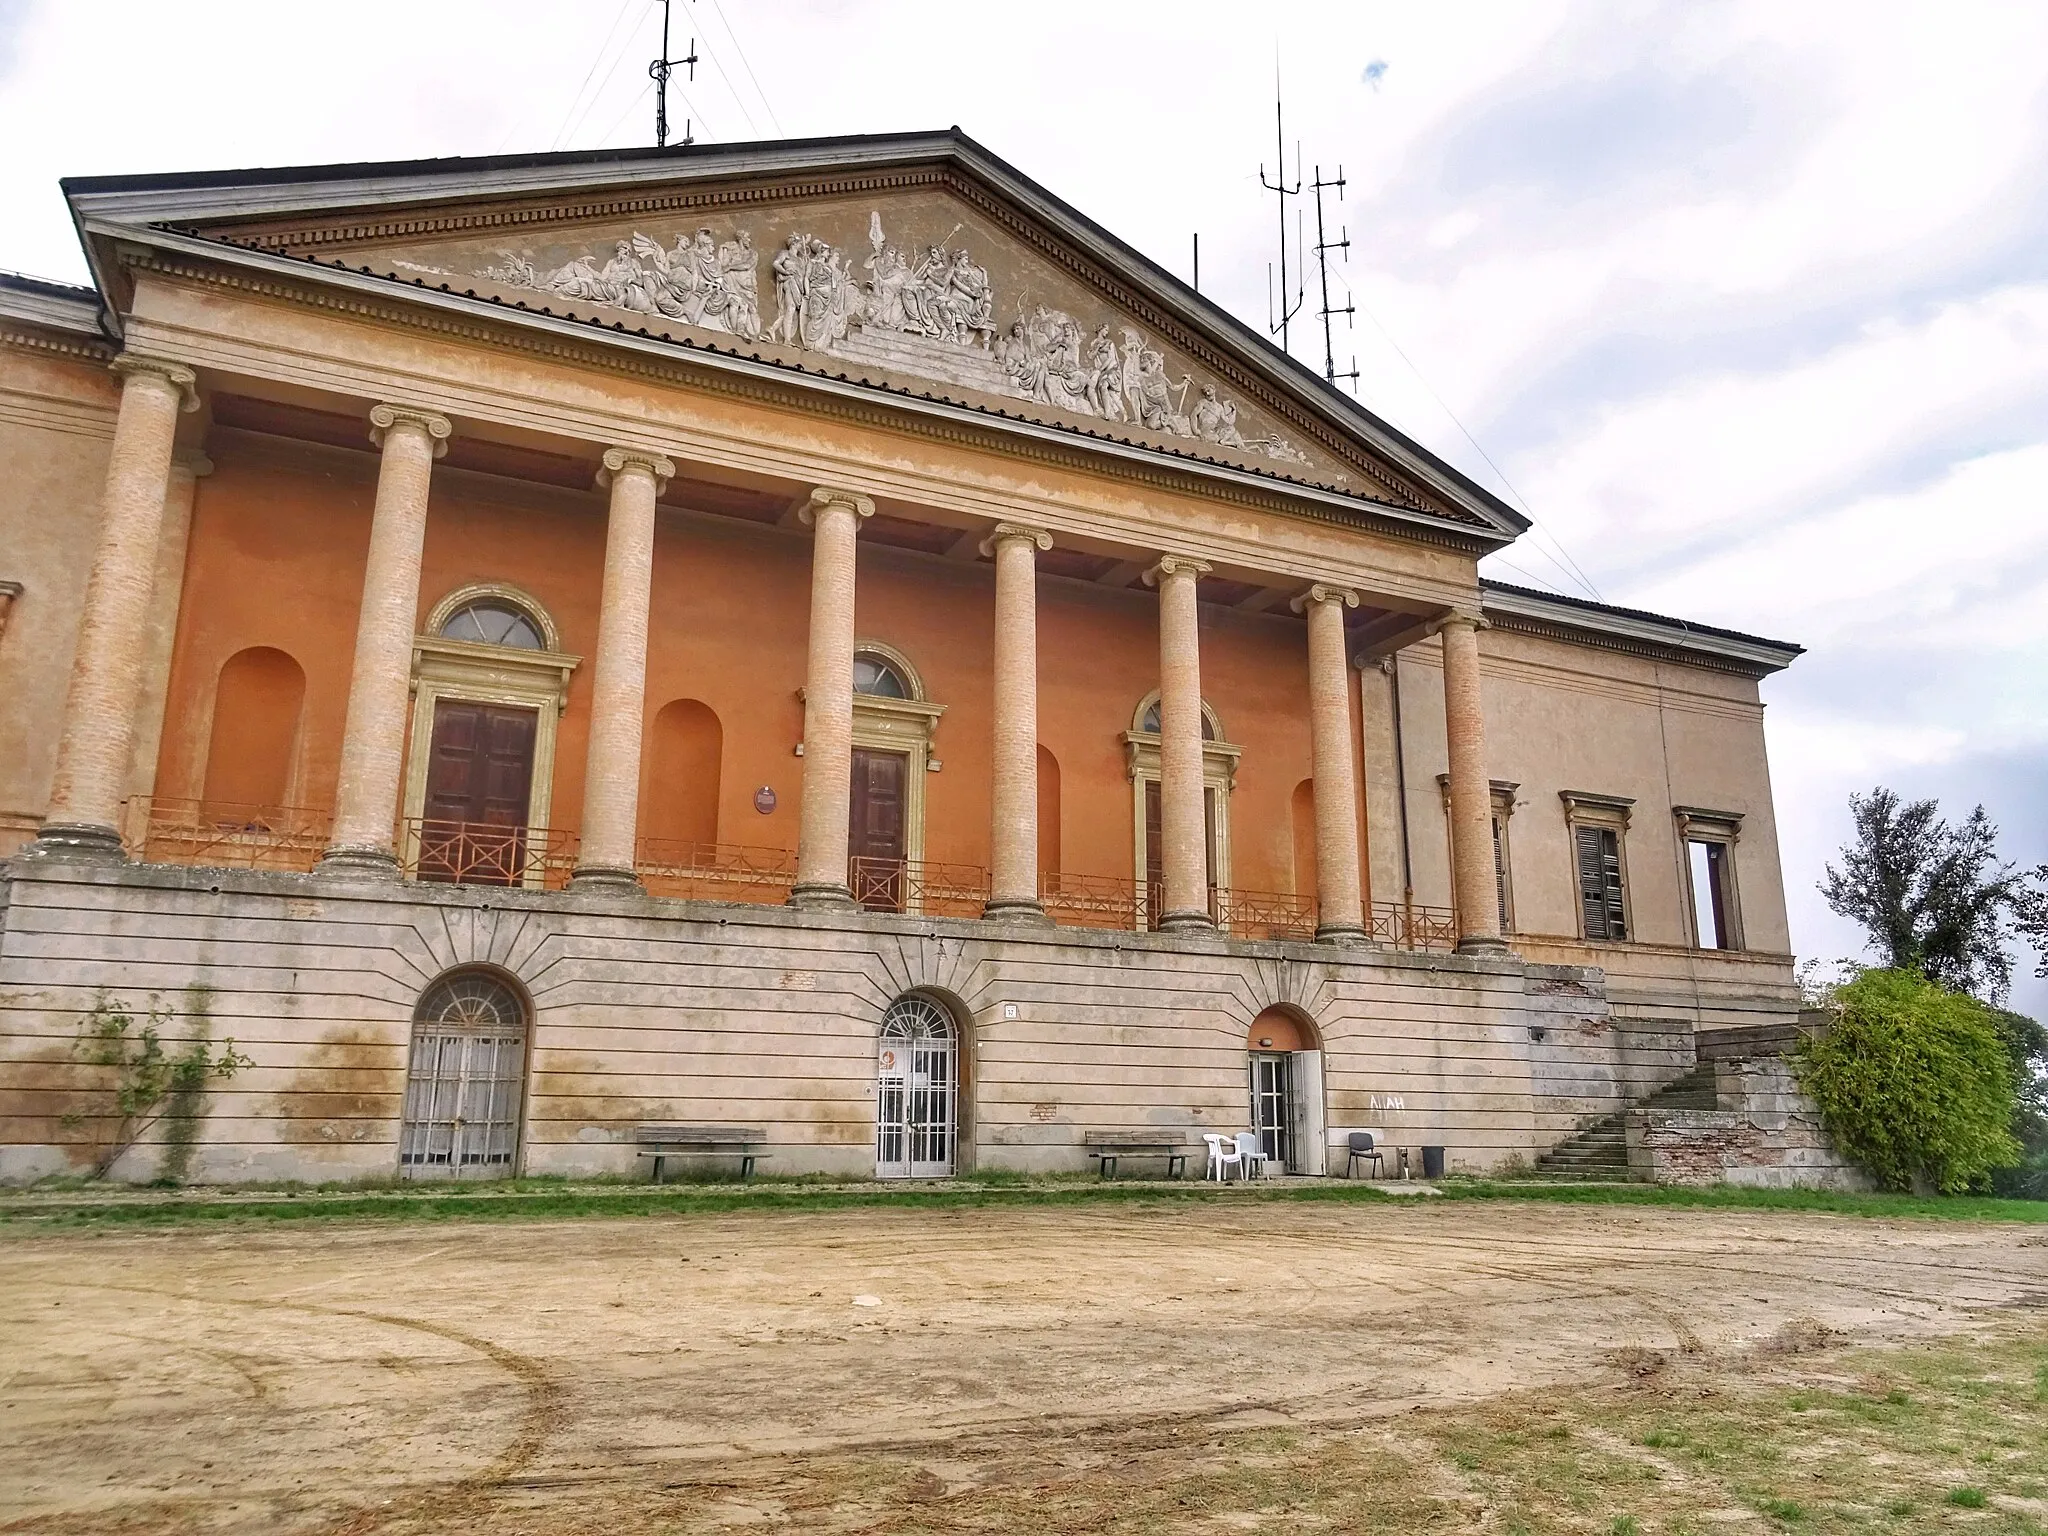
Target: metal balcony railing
216,834
715,871
1094,901
1405,925
1264,914
443,852
924,886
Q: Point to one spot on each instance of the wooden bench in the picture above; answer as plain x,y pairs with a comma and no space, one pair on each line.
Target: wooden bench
662,1142
1107,1146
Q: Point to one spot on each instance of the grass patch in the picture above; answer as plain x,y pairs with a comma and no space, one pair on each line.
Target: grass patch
72,1204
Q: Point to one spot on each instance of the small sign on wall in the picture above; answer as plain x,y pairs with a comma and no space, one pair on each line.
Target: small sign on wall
764,800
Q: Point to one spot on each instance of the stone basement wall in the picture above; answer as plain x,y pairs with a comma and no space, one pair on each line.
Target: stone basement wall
1767,1134
648,1009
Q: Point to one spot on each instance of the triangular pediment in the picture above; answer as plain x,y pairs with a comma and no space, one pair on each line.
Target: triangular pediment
924,274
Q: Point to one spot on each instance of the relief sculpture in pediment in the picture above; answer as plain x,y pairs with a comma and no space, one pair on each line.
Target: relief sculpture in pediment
928,309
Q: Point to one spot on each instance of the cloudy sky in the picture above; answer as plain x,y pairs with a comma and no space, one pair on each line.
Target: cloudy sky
1746,303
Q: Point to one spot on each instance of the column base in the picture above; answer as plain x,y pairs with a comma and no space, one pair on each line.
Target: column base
1340,933
819,896
358,864
604,878
80,842
1482,944
1025,914
1186,922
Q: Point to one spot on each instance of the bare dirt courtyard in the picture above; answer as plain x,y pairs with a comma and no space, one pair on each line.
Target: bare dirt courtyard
899,1370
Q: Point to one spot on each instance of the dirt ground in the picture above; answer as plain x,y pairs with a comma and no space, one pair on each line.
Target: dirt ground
831,1370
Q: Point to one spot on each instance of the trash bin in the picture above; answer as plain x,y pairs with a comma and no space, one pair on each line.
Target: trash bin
1432,1162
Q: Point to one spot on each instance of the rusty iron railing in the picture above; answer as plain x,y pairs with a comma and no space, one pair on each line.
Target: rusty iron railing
715,871
443,852
215,834
1092,901
927,887
1265,914
1406,925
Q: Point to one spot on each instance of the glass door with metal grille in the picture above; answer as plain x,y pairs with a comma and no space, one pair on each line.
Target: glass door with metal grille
1272,1105
463,1088
916,1092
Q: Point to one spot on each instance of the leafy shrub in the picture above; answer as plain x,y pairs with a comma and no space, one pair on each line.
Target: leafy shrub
1913,1082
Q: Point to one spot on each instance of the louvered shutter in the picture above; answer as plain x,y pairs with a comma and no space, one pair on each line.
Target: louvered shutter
1610,870
1592,882
1500,876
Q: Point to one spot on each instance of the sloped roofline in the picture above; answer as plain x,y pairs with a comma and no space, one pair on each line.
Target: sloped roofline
1635,629
107,208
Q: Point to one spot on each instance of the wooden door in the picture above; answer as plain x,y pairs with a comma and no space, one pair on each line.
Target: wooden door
479,789
875,829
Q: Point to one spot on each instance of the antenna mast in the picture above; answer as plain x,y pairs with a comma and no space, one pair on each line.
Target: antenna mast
1324,246
1279,308
660,70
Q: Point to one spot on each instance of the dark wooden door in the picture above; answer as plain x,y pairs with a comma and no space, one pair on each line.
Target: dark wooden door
875,828
479,790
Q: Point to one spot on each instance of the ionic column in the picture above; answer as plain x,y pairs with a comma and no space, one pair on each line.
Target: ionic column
611,783
1183,828
835,517
380,677
1340,914
99,706
188,468
1013,830
1472,878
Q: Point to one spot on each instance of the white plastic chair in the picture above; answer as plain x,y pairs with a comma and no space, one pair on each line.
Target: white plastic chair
1251,1155
1221,1161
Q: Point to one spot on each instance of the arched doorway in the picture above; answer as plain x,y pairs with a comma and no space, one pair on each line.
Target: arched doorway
465,1081
917,1098
1285,1058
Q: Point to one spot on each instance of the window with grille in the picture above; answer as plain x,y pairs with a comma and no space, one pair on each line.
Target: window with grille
1602,907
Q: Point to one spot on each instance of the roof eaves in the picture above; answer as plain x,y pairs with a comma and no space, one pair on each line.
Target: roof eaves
1750,652
54,306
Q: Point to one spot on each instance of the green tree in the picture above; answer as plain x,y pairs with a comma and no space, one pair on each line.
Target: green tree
1914,1082
1931,897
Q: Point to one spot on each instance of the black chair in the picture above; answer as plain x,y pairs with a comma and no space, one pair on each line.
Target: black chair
1359,1144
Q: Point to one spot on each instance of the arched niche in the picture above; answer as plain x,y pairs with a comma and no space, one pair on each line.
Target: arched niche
253,748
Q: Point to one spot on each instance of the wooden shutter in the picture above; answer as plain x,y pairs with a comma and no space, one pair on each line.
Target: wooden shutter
1500,876
1600,903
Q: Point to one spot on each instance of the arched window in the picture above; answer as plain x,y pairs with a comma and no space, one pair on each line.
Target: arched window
916,1090
1149,720
255,739
462,1087
493,621
680,801
879,677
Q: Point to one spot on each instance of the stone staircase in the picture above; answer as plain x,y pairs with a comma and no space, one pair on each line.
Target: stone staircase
1600,1151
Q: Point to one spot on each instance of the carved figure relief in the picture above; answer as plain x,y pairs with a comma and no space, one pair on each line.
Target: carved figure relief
928,309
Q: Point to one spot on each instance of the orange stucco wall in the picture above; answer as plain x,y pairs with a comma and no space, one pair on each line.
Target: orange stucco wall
279,536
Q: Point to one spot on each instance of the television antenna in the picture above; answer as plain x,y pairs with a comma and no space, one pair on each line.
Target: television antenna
1279,308
660,69
1325,245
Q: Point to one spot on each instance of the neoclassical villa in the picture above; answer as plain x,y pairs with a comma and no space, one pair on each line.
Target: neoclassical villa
813,637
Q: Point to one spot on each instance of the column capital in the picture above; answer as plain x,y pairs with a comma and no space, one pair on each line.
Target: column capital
1322,592
825,496
1003,533
1459,618
617,461
1175,565
386,416
133,364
